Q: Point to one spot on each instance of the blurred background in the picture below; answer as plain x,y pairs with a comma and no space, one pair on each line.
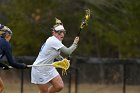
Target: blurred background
107,57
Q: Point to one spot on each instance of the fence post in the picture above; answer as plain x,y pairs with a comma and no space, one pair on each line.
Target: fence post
124,78
22,80
76,79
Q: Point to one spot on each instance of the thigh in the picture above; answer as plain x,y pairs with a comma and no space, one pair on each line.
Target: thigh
1,83
57,81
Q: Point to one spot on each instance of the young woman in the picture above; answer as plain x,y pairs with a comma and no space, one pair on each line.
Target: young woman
51,49
5,50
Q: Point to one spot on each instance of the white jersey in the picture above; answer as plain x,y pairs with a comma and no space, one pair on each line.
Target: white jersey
49,51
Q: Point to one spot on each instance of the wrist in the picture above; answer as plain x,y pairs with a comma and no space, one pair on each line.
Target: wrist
75,44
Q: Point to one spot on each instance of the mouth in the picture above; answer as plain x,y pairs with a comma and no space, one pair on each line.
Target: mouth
62,37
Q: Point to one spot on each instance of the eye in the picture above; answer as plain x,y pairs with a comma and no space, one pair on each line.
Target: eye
60,32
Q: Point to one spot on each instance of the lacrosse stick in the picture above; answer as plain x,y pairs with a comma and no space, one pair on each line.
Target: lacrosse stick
63,64
84,21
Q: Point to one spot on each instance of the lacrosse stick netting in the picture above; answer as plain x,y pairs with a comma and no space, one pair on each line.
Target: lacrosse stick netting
64,65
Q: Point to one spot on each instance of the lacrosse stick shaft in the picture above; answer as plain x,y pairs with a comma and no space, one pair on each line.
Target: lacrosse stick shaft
78,34
39,65
35,65
84,21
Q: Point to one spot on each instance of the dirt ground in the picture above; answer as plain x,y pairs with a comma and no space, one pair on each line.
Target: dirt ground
82,88
13,85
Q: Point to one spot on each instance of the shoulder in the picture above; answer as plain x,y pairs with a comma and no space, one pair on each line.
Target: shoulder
4,43
53,39
54,42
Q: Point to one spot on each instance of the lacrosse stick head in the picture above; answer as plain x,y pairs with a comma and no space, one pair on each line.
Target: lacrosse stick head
85,19
64,65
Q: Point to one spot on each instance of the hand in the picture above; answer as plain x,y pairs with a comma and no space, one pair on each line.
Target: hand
5,67
24,66
76,40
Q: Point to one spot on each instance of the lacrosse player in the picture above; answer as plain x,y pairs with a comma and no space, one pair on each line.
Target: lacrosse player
44,75
5,50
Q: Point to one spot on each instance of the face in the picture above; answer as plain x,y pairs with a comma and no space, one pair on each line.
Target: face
8,37
59,35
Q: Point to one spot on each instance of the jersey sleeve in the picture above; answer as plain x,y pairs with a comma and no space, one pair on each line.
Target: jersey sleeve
56,44
11,61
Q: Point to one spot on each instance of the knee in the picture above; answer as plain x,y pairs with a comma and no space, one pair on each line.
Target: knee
59,87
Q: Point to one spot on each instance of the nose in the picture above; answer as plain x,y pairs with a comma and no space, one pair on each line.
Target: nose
62,33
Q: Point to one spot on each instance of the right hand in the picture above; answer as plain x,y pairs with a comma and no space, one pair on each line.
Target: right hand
76,40
24,66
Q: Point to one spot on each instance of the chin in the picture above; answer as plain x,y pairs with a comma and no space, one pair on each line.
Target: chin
61,39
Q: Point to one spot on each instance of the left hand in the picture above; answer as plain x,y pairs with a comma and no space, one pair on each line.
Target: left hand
76,40
5,68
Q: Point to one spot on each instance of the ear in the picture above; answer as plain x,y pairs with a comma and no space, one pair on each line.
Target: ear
52,32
